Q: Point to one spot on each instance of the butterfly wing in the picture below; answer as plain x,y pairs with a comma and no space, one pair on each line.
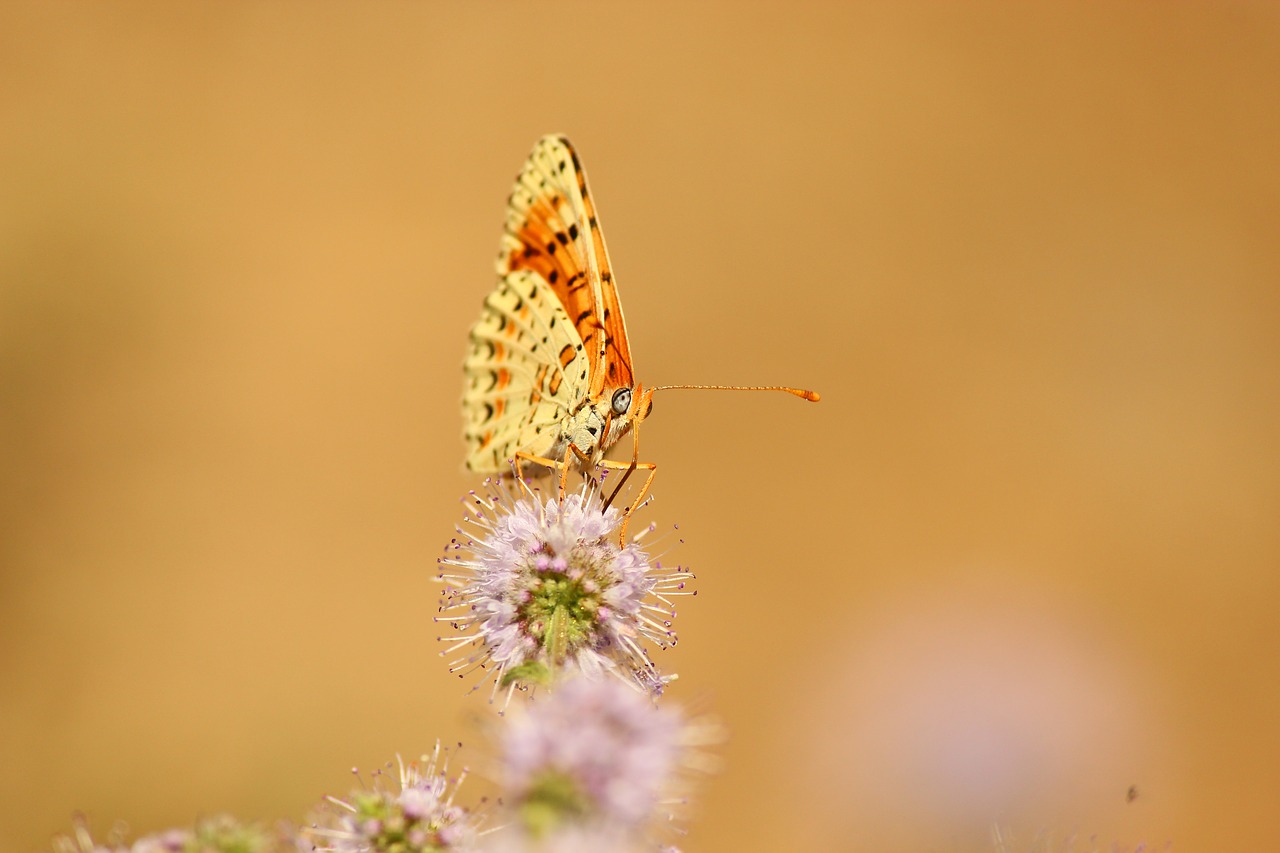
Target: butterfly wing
525,371
552,231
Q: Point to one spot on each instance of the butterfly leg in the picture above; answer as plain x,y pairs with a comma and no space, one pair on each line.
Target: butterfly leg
561,465
582,458
635,456
550,464
628,467
517,467
635,463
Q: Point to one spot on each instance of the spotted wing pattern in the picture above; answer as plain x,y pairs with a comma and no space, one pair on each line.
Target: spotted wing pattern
551,337
524,372
552,229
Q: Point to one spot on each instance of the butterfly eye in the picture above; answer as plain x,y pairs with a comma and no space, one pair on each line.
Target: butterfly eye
621,401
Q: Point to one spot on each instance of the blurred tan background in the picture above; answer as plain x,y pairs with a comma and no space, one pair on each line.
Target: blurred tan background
1021,558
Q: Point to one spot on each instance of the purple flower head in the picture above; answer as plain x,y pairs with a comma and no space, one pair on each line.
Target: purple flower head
570,839
419,816
218,834
592,753
536,589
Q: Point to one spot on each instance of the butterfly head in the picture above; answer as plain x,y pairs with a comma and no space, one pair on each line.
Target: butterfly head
618,411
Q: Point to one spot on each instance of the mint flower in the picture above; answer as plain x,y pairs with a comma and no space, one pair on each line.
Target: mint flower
536,588
219,834
593,755
419,817
571,839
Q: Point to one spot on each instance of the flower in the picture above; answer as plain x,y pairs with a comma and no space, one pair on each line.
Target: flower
592,754
538,588
570,839
420,817
220,834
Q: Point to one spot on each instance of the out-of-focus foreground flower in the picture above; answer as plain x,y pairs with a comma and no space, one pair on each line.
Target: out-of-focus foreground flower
595,757
535,588
571,839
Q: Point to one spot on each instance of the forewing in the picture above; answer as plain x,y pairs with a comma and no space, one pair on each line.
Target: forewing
552,230
525,372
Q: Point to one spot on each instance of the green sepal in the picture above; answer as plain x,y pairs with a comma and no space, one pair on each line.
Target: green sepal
554,799
530,672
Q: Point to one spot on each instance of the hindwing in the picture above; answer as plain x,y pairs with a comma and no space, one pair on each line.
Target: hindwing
525,372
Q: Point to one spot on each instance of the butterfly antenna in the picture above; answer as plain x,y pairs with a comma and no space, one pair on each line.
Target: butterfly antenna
811,396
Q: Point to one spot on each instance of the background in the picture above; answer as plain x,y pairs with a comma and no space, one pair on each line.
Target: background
1022,557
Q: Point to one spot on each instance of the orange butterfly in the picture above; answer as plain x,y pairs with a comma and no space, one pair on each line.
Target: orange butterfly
549,373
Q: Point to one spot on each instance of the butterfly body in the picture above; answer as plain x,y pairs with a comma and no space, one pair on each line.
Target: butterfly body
549,372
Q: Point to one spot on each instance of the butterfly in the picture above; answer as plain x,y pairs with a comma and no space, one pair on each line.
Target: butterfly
549,377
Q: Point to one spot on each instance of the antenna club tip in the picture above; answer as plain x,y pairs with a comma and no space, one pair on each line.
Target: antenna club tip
812,396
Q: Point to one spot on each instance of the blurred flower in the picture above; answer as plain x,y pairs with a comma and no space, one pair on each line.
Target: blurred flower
219,834
419,817
594,755
537,588
571,839
1004,840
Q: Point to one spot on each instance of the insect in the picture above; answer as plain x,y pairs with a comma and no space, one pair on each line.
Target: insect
549,377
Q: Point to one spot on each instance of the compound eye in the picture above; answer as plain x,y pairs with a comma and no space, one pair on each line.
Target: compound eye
621,401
